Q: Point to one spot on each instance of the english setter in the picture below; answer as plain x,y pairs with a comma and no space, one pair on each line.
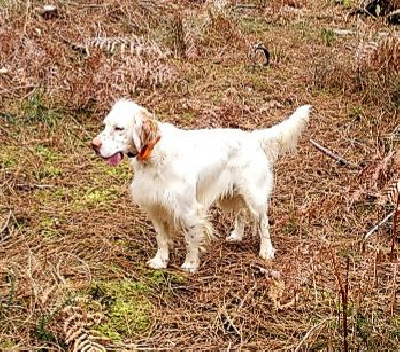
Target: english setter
179,174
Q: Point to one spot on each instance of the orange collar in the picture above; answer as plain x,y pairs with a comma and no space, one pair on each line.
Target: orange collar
145,153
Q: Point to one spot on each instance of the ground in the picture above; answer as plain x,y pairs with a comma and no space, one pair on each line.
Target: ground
73,247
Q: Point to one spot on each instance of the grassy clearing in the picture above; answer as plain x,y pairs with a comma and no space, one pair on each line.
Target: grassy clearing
73,249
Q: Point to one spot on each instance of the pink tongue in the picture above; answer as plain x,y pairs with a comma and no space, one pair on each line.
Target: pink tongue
115,159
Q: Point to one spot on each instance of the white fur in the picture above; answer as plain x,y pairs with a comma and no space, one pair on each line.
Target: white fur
191,169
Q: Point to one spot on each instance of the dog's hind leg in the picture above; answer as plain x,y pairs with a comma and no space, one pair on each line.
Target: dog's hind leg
257,202
267,250
238,231
238,207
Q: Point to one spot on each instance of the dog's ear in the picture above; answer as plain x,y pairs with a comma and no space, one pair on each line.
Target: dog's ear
149,133
146,133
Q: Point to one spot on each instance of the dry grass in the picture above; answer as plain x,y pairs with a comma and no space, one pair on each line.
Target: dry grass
73,247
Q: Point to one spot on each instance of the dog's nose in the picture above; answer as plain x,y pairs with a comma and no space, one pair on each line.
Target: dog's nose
96,144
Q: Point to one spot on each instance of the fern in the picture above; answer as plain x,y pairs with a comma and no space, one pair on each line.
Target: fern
76,329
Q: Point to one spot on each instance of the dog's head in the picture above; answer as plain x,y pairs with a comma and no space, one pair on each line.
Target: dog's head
128,129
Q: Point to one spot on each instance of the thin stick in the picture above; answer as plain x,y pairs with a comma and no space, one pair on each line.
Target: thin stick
6,222
396,212
308,333
344,290
26,16
393,300
376,227
345,308
334,156
34,185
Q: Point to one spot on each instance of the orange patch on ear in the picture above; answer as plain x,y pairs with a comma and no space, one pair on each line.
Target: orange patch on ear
145,153
149,137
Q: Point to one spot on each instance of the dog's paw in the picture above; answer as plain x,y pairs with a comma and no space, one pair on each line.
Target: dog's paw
268,254
190,266
157,263
234,236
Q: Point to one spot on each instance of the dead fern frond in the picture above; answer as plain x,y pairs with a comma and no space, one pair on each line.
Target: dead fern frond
77,332
382,55
393,193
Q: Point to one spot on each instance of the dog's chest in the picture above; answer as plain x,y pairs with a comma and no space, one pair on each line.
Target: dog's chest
151,186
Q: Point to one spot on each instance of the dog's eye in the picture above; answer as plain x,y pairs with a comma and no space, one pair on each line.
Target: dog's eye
118,128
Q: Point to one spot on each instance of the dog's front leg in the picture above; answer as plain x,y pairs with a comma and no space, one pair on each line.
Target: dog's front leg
161,258
194,240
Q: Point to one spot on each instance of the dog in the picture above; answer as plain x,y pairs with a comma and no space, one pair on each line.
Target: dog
179,174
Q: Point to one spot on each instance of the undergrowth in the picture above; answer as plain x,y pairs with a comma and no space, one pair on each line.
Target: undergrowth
73,247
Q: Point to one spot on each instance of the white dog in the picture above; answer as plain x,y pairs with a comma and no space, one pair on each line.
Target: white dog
178,174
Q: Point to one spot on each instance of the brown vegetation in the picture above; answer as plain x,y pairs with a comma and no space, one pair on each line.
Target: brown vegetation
73,247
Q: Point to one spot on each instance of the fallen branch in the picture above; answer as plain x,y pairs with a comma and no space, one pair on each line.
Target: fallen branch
376,227
334,156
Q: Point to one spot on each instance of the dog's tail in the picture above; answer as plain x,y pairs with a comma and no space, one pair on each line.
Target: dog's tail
282,138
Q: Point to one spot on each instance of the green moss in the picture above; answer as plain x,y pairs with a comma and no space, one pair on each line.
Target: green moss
355,111
328,36
100,195
126,307
47,172
7,162
257,80
34,109
9,156
8,117
59,193
121,173
41,331
161,277
155,277
347,3
48,226
46,153
7,343
78,198
49,168
188,115
251,25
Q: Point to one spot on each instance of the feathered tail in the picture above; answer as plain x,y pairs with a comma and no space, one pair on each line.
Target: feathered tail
282,138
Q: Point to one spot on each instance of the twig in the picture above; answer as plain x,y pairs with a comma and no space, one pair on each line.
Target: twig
376,227
6,222
343,288
27,86
99,6
345,308
396,213
393,300
334,156
34,185
308,333
275,274
26,16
